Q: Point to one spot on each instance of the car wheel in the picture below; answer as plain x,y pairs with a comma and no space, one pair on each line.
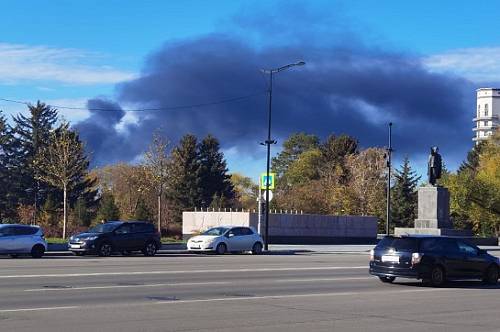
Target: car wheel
221,249
257,248
105,250
149,249
37,251
491,275
387,280
438,277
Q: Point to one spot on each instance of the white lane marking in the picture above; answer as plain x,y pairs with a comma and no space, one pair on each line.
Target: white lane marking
96,274
208,283
322,279
127,286
38,309
268,297
277,297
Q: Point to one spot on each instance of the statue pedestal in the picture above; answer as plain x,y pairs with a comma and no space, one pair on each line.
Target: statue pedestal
433,214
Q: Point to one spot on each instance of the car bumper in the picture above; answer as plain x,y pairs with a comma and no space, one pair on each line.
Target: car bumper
87,247
200,247
416,272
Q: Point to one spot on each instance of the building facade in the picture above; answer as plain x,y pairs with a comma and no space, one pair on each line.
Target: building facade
487,114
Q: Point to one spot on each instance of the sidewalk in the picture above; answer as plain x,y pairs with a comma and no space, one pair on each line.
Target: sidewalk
360,249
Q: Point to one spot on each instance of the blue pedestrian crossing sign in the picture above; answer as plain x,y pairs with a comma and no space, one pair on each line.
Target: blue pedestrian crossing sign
267,182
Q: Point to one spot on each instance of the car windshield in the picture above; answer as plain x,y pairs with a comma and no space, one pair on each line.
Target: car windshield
217,231
103,228
398,244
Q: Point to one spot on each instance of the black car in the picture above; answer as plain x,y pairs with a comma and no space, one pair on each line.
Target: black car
433,259
117,236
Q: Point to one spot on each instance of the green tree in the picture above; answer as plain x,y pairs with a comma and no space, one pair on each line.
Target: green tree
404,196
183,188
294,146
246,191
142,212
107,208
214,179
81,212
32,134
62,163
6,182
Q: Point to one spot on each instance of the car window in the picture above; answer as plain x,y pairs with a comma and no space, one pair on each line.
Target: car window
399,244
104,228
246,231
466,248
449,245
124,229
217,231
8,230
236,231
143,228
431,245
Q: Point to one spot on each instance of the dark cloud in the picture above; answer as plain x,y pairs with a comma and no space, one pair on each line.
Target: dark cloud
344,88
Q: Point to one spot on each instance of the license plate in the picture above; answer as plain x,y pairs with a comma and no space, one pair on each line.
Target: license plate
195,247
76,246
390,259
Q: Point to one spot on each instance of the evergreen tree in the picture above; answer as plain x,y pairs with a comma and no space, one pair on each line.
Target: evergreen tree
183,189
107,208
32,133
5,140
214,180
295,145
81,213
404,196
472,161
142,212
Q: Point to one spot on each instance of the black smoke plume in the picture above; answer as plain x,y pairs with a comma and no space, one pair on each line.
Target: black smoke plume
343,88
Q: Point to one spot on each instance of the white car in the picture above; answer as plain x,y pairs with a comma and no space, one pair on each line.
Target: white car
22,239
227,239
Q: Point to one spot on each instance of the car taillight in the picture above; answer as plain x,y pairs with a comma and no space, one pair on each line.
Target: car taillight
416,257
372,255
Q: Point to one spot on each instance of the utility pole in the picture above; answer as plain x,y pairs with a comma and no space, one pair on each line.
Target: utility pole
389,156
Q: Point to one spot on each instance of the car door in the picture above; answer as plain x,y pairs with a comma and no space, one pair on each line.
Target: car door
234,239
123,237
247,238
5,239
452,258
474,264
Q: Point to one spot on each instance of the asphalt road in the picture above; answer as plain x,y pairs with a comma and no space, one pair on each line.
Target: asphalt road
301,292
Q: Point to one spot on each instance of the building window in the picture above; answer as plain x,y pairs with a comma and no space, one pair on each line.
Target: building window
485,109
485,123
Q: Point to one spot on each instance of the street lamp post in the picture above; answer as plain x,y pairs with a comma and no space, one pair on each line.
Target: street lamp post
270,141
389,156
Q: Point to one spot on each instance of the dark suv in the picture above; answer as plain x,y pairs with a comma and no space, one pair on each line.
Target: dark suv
433,259
117,236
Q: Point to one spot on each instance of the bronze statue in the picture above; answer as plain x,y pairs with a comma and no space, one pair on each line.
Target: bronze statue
434,166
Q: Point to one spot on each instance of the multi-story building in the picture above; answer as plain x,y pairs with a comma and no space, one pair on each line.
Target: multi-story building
488,113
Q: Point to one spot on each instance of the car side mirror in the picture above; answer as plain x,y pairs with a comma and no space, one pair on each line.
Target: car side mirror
230,235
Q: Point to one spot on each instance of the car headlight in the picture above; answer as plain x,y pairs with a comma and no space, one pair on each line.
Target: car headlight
91,238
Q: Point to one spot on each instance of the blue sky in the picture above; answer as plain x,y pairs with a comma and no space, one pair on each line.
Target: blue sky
66,52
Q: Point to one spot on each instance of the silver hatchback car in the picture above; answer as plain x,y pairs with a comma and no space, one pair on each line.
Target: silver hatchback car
21,240
227,239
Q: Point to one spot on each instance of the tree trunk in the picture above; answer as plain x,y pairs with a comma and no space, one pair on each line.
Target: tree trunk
159,214
65,217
